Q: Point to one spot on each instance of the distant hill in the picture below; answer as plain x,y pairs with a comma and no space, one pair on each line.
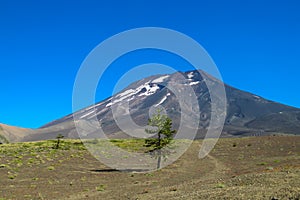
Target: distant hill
13,134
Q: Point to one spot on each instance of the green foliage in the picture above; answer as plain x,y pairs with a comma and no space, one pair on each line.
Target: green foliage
149,174
100,188
11,175
132,145
263,163
220,185
51,168
162,125
3,166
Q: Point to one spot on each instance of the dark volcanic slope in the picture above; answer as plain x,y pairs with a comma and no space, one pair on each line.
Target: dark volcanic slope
247,114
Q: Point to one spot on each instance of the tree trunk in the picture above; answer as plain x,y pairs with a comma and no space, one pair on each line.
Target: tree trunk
159,159
159,150
57,144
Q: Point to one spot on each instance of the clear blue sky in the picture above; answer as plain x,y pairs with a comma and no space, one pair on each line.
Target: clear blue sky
255,44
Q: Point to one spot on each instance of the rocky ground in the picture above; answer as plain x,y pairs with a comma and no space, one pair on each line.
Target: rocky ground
237,168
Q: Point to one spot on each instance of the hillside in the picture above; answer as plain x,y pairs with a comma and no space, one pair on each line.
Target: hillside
13,134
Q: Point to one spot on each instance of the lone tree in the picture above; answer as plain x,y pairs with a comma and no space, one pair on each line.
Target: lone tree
162,126
58,137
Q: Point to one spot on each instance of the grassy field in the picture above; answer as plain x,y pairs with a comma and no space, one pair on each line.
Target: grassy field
239,168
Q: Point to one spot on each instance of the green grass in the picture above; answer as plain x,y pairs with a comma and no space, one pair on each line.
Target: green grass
220,185
100,188
43,152
51,168
34,148
130,144
16,156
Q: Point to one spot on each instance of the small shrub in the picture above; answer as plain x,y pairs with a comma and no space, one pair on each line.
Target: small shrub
149,174
50,168
263,163
115,141
3,166
100,188
145,191
12,176
220,185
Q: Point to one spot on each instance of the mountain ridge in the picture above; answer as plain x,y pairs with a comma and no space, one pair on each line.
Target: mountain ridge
247,114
